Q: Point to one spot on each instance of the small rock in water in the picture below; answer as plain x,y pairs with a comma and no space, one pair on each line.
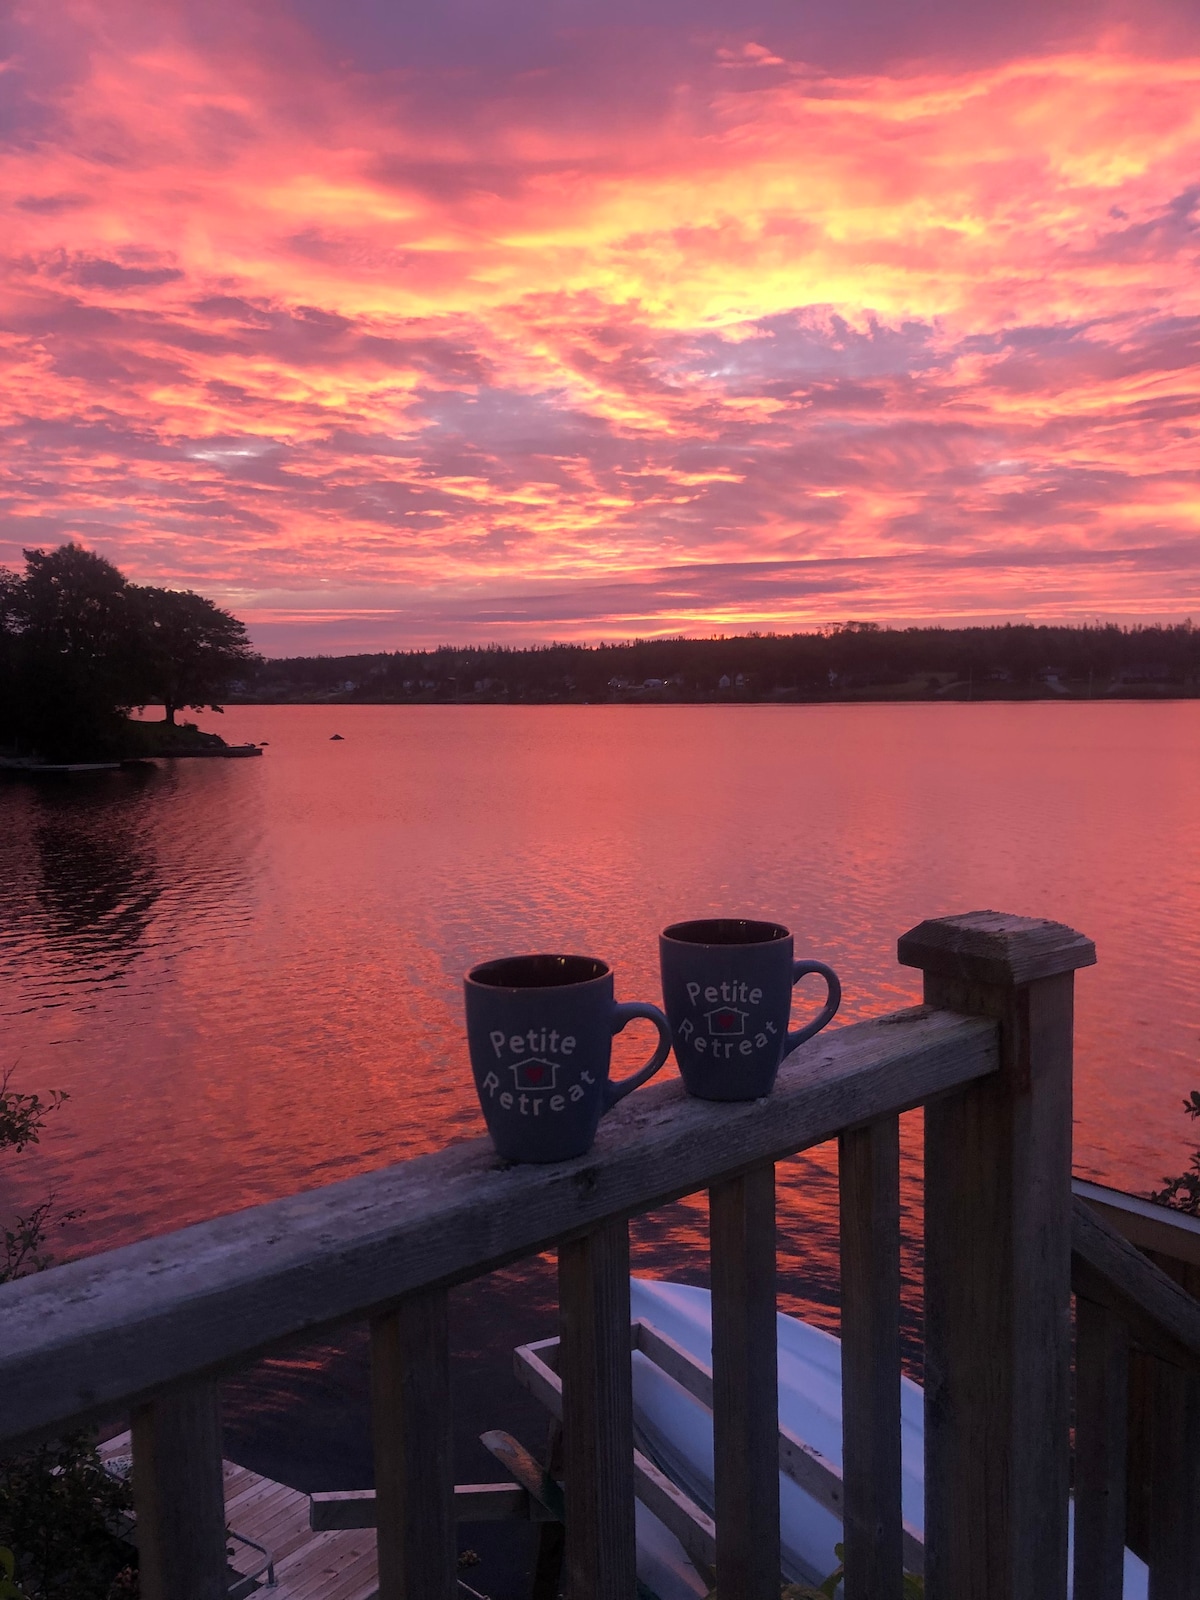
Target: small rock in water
335,736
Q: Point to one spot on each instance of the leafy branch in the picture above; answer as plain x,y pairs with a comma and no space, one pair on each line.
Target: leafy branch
1183,1192
22,1116
23,1246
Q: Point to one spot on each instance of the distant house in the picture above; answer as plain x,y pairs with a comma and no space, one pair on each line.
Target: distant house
652,683
1145,672
723,681
618,683
740,681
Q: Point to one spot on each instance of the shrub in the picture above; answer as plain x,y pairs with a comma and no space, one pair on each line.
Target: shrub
62,1515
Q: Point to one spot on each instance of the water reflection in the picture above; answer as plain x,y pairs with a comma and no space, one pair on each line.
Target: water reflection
98,882
247,973
277,945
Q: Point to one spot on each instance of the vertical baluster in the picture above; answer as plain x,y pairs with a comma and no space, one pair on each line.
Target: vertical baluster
869,1184
414,1450
1175,1486
1139,1452
1101,1414
179,1495
593,1297
998,1264
745,1385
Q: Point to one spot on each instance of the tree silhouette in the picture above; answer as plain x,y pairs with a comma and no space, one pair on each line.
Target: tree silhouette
68,651
80,645
188,649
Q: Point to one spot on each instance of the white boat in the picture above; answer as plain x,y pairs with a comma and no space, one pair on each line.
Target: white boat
675,1431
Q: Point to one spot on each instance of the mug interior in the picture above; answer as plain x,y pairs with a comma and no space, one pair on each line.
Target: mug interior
538,972
726,931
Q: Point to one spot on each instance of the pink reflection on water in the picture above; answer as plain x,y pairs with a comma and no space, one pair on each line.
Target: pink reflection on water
247,974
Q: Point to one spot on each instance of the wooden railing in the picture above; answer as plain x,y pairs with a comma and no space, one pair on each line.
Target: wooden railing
152,1327
1136,1273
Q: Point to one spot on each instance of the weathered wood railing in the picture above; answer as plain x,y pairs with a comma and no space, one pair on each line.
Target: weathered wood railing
1136,1273
153,1326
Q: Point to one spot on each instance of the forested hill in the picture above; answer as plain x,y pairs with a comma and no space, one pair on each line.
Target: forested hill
853,661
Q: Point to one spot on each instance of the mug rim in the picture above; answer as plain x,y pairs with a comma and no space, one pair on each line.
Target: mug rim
690,934
490,975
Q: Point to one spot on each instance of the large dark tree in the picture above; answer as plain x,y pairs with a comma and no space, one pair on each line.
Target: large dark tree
74,603
68,652
79,646
188,648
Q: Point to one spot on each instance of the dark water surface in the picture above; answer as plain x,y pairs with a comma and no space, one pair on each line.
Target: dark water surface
246,973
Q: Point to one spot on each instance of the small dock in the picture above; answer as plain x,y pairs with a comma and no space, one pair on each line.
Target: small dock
28,767
226,752
267,1519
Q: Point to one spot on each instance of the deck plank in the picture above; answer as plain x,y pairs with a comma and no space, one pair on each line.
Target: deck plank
341,1565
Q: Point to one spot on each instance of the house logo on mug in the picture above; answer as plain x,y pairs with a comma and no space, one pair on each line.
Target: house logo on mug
535,1074
726,1020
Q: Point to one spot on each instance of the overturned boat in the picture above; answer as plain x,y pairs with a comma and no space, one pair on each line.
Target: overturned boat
672,1383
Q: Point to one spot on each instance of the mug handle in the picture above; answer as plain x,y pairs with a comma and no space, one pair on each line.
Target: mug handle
833,1000
622,1014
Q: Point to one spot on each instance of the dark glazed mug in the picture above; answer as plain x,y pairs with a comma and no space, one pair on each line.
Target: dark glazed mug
540,1031
727,987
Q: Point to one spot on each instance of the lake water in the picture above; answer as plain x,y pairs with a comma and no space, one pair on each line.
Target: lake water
246,974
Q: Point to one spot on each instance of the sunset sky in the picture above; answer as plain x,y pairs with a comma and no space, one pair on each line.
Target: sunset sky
390,324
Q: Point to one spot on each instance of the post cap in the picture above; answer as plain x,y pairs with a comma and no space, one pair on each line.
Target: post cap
994,947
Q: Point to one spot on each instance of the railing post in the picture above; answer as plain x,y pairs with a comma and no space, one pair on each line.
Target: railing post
1174,1553
998,1263
179,1495
414,1449
869,1186
745,1385
597,1388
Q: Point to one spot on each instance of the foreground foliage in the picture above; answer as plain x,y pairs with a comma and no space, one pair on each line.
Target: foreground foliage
61,1513
1183,1192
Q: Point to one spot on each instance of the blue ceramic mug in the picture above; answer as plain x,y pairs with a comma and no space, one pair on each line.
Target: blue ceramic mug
540,1030
727,988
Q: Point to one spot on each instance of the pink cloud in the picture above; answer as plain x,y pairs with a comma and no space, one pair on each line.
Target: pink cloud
434,346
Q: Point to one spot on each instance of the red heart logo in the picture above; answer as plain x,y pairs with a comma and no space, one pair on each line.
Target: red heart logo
534,1074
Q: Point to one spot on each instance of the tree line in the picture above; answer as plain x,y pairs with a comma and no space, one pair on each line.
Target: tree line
852,659
80,646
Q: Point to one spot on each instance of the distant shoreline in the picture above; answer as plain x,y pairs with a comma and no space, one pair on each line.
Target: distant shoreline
954,694
852,663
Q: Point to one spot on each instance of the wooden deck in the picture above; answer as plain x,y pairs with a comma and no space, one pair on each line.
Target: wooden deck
308,1566
145,1328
